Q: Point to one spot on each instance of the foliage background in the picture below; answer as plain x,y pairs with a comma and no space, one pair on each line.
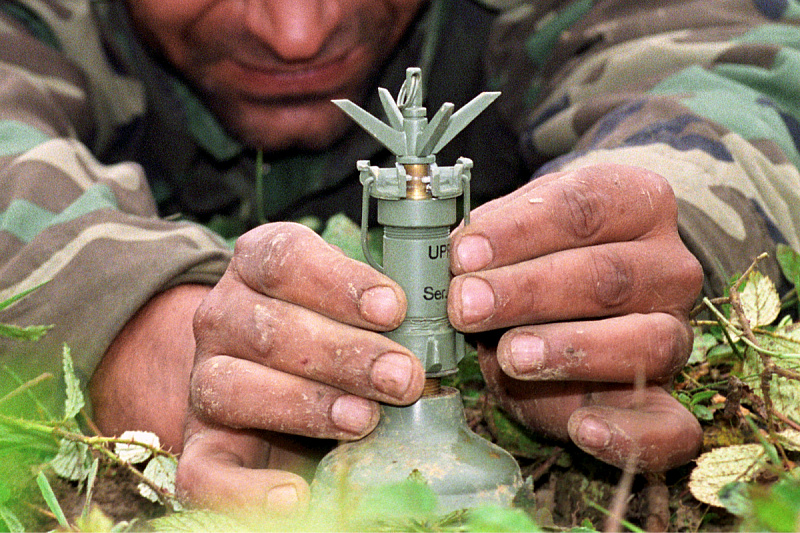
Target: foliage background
741,382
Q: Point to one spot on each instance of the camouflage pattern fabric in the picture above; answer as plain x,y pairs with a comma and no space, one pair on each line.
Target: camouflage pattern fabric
97,151
91,231
706,94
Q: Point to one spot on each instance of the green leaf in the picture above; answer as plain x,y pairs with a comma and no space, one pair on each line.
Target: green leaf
94,520
410,498
735,497
785,339
701,412
28,333
784,392
519,440
51,500
346,234
493,518
196,520
703,342
92,477
720,353
777,509
789,261
75,401
10,519
17,297
702,396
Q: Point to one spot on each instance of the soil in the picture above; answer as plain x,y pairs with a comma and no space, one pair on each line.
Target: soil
115,493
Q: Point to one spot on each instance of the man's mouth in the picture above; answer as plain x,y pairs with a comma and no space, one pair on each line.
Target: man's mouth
295,82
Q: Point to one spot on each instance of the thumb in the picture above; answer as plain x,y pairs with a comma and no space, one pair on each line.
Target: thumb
223,469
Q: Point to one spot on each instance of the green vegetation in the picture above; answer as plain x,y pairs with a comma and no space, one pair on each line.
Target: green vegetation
742,382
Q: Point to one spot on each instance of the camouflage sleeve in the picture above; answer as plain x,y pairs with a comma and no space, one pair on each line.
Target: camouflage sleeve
90,231
706,93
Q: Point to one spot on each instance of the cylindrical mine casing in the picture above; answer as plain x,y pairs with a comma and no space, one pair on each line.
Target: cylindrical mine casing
416,254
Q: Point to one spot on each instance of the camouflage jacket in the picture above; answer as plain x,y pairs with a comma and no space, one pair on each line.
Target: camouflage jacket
113,171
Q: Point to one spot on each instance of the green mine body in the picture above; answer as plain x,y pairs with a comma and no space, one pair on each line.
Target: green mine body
417,207
430,439
416,254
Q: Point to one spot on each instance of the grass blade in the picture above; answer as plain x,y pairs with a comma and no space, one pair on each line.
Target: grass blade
51,500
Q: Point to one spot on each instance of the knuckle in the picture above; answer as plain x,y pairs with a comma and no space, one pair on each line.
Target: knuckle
208,389
670,343
658,188
584,208
693,276
262,256
611,278
265,317
683,281
207,316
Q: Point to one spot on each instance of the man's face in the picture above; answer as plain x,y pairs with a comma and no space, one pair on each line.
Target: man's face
269,68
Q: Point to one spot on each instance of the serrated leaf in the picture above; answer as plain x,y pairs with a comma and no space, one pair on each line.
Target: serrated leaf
92,477
722,466
160,471
785,338
133,452
761,302
75,401
73,460
784,392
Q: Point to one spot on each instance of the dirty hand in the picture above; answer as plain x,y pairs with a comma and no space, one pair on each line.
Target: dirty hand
588,277
287,343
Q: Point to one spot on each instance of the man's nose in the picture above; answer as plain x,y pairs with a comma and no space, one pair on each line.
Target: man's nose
295,30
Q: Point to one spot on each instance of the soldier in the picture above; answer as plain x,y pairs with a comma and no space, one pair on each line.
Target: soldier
631,140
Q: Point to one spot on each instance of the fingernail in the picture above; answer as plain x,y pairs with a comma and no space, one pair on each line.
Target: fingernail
379,305
391,374
477,300
352,414
283,497
474,252
593,433
527,354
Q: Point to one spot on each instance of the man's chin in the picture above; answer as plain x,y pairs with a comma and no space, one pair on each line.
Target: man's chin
312,127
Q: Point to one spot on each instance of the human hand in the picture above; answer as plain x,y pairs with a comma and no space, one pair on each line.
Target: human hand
287,343
589,273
